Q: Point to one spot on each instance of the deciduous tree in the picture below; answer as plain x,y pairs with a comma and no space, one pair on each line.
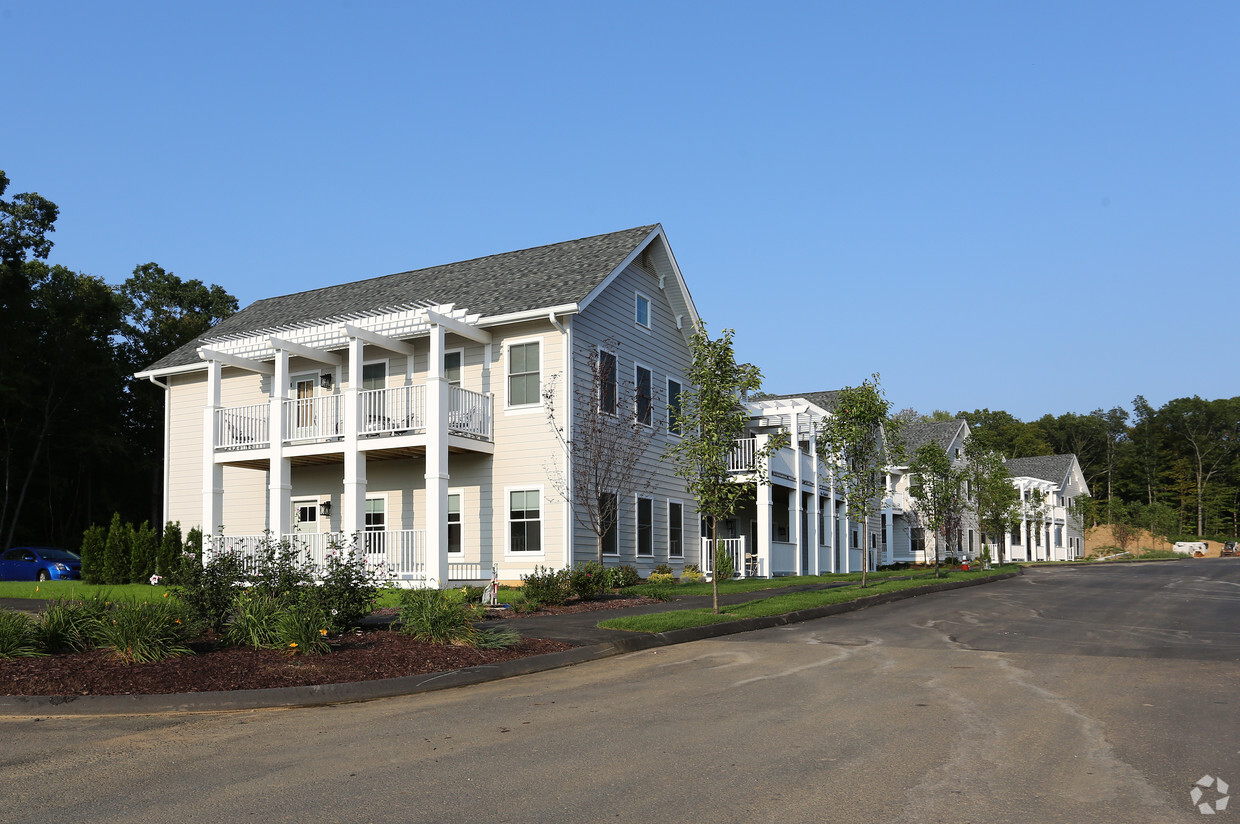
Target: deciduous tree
860,439
711,420
606,444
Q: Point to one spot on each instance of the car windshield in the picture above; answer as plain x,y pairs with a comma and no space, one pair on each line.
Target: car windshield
59,555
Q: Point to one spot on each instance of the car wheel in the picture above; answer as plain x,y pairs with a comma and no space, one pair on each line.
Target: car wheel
43,576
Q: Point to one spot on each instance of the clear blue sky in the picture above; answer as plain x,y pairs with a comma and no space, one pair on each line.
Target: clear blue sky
1028,208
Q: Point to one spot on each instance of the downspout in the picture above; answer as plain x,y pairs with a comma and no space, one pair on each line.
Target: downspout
567,331
167,387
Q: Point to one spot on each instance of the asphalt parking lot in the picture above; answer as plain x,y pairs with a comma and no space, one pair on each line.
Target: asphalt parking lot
1067,694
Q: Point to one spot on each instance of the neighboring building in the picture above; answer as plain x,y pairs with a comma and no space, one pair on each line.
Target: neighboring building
406,412
911,541
797,522
1050,528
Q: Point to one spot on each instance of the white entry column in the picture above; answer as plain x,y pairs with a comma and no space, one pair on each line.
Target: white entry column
212,472
280,474
436,464
353,505
764,503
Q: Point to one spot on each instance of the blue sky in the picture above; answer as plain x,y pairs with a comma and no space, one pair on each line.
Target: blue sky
1032,207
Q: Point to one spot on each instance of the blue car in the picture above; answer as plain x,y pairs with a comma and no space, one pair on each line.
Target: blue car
40,563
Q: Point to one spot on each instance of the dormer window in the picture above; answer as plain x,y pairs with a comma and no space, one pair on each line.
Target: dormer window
642,311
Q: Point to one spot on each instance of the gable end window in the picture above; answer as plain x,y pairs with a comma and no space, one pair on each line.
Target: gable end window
607,387
673,406
643,399
523,374
642,311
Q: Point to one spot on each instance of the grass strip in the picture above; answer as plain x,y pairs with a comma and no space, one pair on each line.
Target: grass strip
759,584
783,604
76,590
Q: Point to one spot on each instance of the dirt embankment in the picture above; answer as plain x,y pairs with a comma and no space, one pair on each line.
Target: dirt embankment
1099,537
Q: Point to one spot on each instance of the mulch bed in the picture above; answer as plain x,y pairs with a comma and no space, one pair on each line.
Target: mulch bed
362,655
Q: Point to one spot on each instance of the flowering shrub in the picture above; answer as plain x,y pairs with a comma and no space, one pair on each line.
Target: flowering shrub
208,590
548,587
623,576
347,588
691,576
589,580
661,578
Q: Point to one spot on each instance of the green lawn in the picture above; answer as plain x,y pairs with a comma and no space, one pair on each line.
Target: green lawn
757,584
77,589
781,604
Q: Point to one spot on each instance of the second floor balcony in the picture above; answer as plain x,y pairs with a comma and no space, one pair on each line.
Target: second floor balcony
383,413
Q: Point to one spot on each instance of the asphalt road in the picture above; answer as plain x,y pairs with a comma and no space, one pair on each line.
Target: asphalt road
1065,695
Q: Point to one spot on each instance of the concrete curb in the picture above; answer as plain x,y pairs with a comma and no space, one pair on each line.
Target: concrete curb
289,697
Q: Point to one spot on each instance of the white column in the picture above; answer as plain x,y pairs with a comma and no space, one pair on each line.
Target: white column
889,520
436,464
794,505
833,517
353,504
815,564
764,503
212,473
280,473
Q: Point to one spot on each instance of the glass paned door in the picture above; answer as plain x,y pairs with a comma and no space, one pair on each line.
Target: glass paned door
303,416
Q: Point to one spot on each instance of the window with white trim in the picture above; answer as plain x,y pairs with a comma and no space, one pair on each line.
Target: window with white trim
376,515
645,527
641,314
607,386
674,389
452,361
524,374
608,514
675,529
454,523
525,520
642,395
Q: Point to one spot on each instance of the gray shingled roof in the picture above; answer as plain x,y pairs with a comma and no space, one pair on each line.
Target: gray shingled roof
1053,468
917,435
824,400
544,276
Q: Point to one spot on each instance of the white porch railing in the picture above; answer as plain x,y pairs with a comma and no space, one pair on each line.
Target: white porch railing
243,427
308,419
740,459
400,409
402,553
469,413
745,566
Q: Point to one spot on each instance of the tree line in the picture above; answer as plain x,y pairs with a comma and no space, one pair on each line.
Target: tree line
1174,469
81,439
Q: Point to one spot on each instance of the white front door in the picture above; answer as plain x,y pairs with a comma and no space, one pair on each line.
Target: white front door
305,517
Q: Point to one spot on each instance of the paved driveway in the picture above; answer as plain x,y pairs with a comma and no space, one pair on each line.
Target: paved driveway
1073,695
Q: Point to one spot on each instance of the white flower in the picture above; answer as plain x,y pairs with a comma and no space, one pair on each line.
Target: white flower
155,579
